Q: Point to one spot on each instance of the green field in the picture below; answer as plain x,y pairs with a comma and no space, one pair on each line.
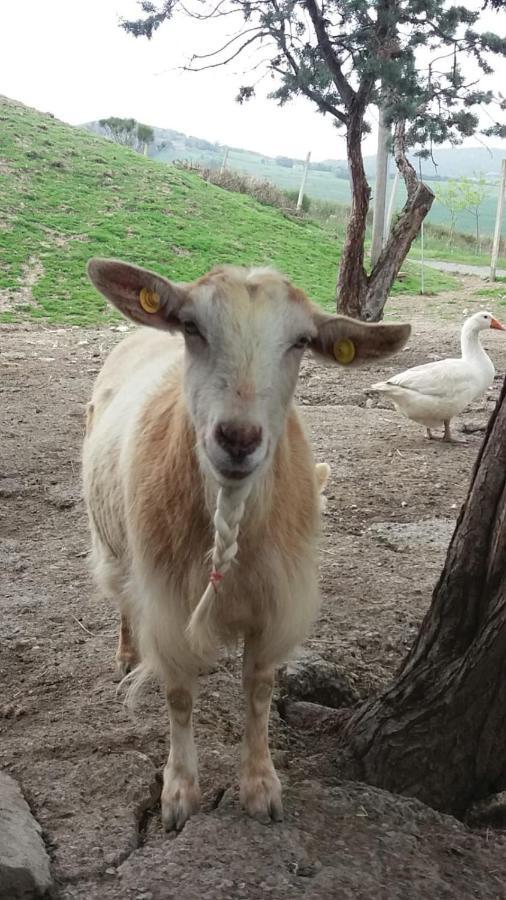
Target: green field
326,186
67,195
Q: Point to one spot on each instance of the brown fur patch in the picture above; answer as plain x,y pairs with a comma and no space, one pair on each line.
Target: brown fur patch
297,296
168,504
294,515
181,703
126,654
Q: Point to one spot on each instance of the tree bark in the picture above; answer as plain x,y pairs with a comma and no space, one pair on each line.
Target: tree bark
418,203
352,279
395,252
439,731
360,295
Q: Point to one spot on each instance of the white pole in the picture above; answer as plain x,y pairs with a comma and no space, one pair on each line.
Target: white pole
422,273
391,205
224,161
378,222
498,222
303,182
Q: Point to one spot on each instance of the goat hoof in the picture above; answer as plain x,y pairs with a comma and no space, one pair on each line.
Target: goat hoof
180,800
261,796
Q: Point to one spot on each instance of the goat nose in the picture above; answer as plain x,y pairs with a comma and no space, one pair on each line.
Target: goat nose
237,439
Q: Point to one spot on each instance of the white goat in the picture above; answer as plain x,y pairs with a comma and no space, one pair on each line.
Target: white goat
175,438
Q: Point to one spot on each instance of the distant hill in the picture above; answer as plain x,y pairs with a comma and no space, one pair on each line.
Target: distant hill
449,162
328,179
455,162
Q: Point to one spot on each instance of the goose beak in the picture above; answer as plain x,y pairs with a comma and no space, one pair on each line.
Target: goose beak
495,324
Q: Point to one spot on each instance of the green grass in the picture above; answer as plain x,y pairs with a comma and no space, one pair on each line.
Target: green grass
67,195
327,186
437,248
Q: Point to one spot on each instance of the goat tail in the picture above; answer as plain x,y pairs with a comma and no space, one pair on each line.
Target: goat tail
322,471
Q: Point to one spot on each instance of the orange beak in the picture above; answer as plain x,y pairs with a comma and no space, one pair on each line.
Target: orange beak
495,324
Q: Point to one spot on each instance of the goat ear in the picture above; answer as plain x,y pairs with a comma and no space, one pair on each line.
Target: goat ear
349,342
141,295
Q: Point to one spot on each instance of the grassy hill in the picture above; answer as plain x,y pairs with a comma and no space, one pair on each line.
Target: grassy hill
332,184
67,195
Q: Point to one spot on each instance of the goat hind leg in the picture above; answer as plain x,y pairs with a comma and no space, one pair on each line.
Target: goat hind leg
181,792
260,790
126,655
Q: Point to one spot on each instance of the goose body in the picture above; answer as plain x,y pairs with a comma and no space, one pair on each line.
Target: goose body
433,394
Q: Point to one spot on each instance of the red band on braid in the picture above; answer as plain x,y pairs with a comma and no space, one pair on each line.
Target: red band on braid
215,578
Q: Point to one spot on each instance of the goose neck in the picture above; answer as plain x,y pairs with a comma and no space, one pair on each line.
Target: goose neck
470,342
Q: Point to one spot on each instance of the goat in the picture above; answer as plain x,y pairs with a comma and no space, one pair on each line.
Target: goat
184,432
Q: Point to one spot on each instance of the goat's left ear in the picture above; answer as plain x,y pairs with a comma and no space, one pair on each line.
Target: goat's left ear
349,342
142,296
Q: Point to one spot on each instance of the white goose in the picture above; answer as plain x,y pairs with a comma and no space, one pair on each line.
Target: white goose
433,394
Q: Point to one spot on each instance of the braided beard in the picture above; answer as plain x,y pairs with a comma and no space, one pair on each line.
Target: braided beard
230,507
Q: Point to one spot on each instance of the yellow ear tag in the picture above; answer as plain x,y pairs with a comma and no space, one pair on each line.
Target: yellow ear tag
344,351
149,300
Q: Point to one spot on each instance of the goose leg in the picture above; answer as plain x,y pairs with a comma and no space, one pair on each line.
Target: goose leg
433,437
449,437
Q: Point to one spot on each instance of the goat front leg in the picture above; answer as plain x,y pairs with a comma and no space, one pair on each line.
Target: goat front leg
260,787
181,791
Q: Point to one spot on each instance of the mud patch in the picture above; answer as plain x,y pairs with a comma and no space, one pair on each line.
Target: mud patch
23,295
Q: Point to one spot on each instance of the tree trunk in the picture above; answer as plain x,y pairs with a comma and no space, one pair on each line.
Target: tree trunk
360,295
439,731
352,280
395,251
418,203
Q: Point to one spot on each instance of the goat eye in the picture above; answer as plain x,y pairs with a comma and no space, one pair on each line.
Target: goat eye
301,344
191,329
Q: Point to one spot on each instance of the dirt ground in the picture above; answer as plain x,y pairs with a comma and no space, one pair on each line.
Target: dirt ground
89,769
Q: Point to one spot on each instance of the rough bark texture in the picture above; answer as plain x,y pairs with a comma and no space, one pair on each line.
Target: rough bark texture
439,731
395,251
352,280
360,295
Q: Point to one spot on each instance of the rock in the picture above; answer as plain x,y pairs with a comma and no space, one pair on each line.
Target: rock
312,678
349,841
89,829
473,427
62,498
306,716
433,533
24,863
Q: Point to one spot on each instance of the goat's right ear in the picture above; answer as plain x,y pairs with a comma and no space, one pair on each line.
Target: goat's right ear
141,295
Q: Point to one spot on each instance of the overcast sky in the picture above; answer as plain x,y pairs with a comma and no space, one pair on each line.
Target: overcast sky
69,57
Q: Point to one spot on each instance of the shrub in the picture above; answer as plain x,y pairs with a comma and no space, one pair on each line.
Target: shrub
293,196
